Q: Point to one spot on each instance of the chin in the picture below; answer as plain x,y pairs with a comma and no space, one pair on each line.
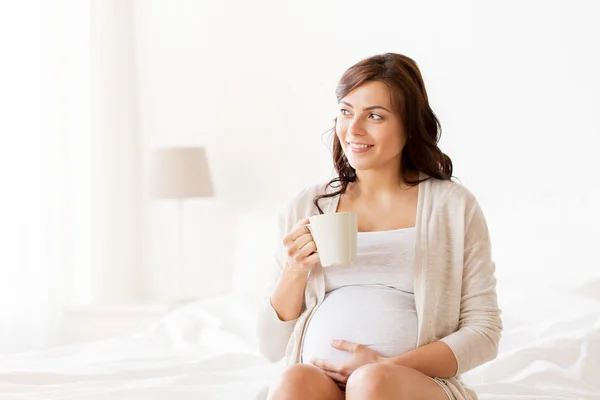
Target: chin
360,166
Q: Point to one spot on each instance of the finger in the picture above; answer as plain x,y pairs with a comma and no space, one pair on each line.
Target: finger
307,250
346,345
294,250
303,221
339,379
293,245
312,259
298,230
302,241
329,366
293,235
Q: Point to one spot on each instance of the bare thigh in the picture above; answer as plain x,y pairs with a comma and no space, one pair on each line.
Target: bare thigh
303,381
392,382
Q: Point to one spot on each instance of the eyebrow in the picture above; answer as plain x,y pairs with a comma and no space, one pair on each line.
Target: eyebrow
367,108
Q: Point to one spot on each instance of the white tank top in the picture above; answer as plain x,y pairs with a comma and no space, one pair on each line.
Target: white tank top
370,302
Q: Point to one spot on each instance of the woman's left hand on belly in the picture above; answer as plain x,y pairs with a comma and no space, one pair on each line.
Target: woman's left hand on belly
340,372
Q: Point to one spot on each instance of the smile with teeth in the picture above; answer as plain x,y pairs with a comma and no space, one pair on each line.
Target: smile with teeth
359,145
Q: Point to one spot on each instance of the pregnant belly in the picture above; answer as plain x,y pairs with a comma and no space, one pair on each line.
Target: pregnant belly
381,318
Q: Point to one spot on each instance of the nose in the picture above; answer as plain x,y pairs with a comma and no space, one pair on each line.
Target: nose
356,128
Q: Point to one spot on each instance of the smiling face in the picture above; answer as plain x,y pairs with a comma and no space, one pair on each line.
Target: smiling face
370,131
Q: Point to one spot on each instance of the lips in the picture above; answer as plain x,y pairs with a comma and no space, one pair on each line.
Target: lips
359,145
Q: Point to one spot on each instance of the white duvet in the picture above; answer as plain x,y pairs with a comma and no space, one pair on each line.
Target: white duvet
550,349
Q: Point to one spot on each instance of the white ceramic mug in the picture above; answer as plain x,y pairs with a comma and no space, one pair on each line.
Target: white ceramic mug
335,236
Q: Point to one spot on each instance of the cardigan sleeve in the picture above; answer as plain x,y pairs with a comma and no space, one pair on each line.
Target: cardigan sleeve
477,338
273,333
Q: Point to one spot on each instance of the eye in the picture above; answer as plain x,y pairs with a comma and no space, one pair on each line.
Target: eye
377,117
344,111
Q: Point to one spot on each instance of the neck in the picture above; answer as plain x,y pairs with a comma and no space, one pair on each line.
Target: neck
379,183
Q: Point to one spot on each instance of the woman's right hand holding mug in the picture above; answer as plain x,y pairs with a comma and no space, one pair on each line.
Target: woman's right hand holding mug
300,248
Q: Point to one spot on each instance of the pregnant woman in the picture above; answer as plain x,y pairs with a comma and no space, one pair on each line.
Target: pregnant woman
418,307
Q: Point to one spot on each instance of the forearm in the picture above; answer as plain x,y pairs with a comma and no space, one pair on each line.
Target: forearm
434,360
288,295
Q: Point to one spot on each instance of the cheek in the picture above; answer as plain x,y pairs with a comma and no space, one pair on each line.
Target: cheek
340,129
392,142
342,123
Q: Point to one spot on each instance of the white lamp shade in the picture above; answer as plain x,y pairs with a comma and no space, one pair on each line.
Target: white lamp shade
180,173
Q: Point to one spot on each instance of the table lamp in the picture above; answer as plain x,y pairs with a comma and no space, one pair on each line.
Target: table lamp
180,173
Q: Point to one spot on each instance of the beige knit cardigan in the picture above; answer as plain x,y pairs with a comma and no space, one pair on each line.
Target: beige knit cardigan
454,282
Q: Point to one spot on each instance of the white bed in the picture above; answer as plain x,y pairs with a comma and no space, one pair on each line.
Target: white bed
550,350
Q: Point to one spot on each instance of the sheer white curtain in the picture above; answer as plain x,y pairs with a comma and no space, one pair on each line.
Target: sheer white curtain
62,172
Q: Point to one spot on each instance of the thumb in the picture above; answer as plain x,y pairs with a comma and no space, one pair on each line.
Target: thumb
303,221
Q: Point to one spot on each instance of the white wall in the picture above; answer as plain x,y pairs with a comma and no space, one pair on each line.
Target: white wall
514,84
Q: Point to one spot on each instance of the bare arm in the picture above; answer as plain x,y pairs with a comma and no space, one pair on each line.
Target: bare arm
288,296
282,308
435,359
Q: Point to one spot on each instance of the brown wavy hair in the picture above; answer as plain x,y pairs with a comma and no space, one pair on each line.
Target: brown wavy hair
409,98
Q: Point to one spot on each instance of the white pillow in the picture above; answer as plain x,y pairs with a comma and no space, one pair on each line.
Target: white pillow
257,238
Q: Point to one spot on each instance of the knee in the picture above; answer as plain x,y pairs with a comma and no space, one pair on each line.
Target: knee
371,380
292,381
367,380
297,374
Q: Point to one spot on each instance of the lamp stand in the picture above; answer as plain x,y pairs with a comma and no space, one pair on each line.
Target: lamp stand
180,249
